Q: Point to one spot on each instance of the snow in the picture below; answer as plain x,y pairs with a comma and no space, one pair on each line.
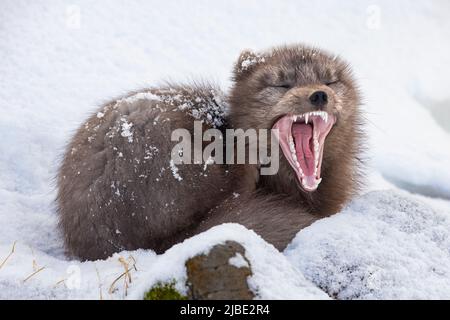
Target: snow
140,96
174,170
273,276
249,61
62,59
94,280
401,250
210,109
238,261
126,130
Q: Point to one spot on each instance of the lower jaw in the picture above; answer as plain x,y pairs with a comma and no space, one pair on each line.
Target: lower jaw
311,186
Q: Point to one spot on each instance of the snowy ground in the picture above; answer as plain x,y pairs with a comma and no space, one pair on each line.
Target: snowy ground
60,59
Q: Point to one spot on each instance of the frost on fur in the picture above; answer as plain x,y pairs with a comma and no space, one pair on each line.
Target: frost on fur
247,61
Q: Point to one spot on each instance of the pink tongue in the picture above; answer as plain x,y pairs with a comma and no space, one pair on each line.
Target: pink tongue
302,134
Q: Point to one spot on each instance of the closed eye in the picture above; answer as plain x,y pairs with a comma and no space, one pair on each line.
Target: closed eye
282,85
331,82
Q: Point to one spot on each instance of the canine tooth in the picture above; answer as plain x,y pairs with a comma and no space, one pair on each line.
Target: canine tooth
306,118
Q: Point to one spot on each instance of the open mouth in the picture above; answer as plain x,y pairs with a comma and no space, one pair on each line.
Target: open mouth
302,139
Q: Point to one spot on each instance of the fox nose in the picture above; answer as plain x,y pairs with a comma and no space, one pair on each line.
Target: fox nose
319,99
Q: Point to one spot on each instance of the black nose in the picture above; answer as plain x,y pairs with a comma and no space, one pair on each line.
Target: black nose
319,98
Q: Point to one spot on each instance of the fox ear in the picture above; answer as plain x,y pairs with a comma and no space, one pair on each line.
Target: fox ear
246,63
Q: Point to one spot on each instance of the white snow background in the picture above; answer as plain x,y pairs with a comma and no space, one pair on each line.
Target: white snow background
59,60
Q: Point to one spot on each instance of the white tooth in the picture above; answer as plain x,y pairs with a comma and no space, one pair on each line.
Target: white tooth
306,118
318,181
326,117
291,144
294,156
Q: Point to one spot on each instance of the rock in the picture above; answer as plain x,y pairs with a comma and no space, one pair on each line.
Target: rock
212,277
